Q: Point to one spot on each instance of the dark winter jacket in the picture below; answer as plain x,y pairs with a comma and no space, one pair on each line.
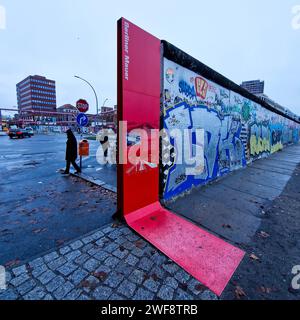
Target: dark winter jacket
71,151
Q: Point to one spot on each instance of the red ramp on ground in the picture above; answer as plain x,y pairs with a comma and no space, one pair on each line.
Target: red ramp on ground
206,257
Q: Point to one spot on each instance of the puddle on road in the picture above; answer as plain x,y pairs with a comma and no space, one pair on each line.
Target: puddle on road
20,167
31,163
12,156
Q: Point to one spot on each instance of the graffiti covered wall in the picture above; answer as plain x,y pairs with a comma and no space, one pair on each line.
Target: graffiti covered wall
236,129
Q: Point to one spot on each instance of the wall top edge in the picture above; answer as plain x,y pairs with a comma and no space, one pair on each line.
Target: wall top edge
180,57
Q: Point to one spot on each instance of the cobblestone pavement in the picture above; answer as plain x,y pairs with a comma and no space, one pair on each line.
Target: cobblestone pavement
112,263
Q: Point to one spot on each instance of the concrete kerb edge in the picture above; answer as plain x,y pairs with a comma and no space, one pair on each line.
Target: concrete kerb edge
96,182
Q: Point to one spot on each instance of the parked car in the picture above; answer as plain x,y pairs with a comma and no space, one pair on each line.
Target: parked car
16,133
26,134
29,131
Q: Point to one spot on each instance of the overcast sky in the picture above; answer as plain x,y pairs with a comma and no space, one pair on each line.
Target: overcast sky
243,40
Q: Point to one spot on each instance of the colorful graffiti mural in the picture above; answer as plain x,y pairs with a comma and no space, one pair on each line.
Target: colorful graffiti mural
236,130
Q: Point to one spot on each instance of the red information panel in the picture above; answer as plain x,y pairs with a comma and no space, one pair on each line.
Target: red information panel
209,259
139,105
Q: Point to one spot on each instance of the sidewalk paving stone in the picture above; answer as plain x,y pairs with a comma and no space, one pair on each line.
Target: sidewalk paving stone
182,295
111,262
170,267
142,294
91,264
67,268
63,290
101,255
83,297
76,245
208,295
55,283
19,270
152,285
46,277
73,295
37,271
158,272
102,293
98,235
171,282
72,255
8,294
120,253
101,266
87,247
37,293
111,247
53,265
88,239
182,276
65,250
127,288
114,279
77,276
124,268
19,279
116,297
82,259
166,293
50,257
26,287
145,264
36,263
131,260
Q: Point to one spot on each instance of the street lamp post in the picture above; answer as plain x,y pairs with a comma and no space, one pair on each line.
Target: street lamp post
104,102
97,105
103,106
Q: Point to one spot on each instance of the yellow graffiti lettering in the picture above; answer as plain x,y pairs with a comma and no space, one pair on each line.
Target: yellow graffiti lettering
276,147
259,145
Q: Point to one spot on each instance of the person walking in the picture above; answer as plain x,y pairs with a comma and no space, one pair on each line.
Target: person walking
71,153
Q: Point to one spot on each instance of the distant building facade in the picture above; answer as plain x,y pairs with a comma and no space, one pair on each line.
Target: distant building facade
36,96
106,109
66,115
36,93
37,107
108,118
254,86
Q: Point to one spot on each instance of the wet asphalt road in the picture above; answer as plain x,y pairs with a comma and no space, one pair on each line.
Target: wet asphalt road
39,208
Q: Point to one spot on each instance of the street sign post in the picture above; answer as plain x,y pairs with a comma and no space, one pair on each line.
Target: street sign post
82,120
82,105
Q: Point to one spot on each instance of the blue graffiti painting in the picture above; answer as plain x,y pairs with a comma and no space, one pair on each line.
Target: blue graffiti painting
236,130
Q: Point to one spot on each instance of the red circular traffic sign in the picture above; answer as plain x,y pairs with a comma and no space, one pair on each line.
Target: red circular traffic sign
82,105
